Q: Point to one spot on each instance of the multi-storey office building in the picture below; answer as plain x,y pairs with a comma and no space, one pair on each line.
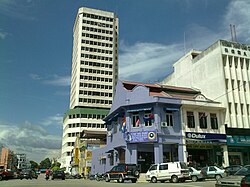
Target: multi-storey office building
94,75
222,73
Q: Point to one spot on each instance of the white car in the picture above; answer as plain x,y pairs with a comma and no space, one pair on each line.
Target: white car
172,171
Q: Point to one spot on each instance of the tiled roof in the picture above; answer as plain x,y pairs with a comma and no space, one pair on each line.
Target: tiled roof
164,90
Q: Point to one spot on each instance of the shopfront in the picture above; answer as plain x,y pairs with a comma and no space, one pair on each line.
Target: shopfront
238,150
205,149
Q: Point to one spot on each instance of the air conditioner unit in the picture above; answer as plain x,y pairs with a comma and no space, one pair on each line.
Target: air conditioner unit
164,124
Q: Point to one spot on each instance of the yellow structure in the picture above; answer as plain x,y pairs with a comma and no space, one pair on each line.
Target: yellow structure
82,152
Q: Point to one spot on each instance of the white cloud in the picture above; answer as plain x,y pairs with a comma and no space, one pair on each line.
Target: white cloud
17,9
147,61
59,80
55,80
238,14
35,76
150,62
53,120
30,139
3,34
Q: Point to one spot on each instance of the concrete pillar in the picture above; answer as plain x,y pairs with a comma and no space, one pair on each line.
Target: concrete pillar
131,154
182,151
158,152
225,156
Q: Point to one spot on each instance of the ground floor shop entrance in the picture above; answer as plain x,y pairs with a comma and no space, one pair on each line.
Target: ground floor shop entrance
239,155
147,155
202,155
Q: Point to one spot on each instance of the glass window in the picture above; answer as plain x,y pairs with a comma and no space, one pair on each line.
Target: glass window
148,119
203,120
214,121
163,167
153,167
190,120
136,120
169,118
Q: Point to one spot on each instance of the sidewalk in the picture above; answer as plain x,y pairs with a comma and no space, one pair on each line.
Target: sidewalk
142,178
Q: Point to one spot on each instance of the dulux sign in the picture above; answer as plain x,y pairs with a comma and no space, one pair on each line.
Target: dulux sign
205,136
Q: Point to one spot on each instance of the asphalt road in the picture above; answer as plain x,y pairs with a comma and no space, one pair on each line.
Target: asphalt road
41,182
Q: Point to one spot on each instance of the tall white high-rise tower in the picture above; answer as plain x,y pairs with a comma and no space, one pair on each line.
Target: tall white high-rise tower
94,75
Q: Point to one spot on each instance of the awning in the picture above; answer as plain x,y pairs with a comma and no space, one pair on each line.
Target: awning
172,109
102,157
112,118
109,151
139,110
120,147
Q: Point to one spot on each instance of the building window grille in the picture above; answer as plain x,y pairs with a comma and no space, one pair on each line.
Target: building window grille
214,121
135,120
203,120
169,118
190,120
148,119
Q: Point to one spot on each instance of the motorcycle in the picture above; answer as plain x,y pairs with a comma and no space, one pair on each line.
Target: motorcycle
47,176
100,177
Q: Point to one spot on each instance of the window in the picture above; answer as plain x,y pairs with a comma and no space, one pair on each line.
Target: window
226,81
169,118
230,108
248,108
212,168
148,119
242,108
236,108
136,120
154,167
163,167
203,120
190,120
214,121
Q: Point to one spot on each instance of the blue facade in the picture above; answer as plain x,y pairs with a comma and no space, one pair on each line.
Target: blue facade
143,128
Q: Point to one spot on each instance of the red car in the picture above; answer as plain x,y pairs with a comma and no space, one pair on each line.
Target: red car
245,182
6,174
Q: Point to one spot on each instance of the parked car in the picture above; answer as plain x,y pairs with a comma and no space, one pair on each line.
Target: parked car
26,174
58,174
172,171
245,181
122,172
212,172
195,174
6,174
234,180
76,176
231,170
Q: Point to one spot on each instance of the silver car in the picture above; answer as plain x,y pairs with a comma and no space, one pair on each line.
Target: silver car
195,174
210,172
233,180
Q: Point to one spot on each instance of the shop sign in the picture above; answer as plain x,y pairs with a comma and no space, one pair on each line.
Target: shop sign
141,136
93,146
88,163
205,138
238,140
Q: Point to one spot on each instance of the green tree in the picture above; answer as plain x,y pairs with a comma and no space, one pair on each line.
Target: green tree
56,165
34,165
46,163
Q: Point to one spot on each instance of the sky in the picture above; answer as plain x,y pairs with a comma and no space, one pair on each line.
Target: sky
36,50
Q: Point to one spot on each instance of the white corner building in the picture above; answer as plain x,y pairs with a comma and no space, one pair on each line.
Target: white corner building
221,72
93,78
